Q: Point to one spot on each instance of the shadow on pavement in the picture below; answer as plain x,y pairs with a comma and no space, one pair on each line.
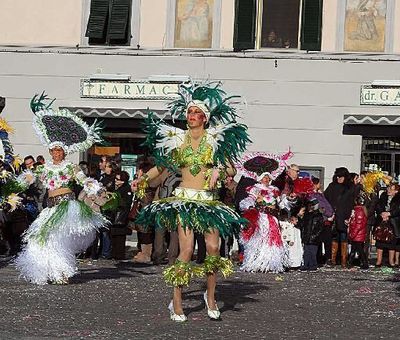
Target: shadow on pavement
5,261
230,295
119,270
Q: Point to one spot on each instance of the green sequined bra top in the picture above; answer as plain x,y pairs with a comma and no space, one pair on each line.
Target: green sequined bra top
194,159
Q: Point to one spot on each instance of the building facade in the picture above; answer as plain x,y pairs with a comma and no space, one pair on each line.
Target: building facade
320,77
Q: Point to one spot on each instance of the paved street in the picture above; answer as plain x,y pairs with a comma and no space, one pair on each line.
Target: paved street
128,301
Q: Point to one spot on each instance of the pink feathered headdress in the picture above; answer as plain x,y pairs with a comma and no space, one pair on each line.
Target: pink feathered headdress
256,165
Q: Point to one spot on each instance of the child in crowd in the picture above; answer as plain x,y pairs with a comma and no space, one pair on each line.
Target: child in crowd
311,222
292,236
357,232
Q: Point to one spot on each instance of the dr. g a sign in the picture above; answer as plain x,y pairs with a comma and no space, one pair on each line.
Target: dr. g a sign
371,95
128,90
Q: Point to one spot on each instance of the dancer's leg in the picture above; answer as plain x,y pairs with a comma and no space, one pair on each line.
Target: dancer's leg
212,245
186,241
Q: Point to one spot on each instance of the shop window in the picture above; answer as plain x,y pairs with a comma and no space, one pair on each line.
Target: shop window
282,24
313,171
109,22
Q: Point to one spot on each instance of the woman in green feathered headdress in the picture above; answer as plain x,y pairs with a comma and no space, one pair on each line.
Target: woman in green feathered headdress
203,154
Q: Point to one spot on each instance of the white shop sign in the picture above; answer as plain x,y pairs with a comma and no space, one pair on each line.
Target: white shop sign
379,95
128,90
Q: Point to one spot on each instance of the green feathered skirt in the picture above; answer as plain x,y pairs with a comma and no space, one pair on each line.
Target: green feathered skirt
197,210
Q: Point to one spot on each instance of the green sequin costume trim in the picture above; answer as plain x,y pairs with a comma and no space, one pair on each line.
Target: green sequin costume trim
215,263
180,273
194,159
198,216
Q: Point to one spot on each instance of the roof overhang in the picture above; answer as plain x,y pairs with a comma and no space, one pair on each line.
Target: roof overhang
370,125
91,112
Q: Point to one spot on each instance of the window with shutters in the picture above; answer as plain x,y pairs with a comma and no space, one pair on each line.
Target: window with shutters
282,24
109,22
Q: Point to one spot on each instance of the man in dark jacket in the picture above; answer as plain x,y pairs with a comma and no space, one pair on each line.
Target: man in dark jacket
311,224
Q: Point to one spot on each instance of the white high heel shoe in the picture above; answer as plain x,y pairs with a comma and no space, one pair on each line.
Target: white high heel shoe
175,317
213,314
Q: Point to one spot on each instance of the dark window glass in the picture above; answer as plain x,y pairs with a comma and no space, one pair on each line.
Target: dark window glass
280,23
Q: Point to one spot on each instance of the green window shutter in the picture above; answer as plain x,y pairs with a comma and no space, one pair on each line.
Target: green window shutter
119,19
96,27
311,25
245,24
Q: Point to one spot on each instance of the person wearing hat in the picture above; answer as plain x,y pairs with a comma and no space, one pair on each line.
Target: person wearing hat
203,154
264,248
311,223
67,226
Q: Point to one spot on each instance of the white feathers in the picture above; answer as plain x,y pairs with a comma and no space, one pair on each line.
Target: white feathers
26,178
247,203
172,138
215,134
55,260
262,256
91,186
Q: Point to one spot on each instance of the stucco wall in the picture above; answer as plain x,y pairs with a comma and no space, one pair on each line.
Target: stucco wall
153,23
288,103
227,24
329,26
396,27
40,22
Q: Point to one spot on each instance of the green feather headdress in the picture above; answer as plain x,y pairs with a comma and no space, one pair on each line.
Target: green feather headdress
214,98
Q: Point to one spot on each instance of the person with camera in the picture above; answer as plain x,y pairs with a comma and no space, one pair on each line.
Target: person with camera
387,230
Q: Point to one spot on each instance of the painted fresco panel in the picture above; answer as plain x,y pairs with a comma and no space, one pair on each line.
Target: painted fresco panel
193,23
365,25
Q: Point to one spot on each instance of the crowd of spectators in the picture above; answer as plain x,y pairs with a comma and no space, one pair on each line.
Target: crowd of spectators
334,227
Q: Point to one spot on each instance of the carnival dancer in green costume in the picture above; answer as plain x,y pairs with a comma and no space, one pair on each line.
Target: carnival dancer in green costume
203,154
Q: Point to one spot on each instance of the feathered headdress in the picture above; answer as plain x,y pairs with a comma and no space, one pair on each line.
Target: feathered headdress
62,128
256,165
371,179
303,186
225,135
9,164
209,97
